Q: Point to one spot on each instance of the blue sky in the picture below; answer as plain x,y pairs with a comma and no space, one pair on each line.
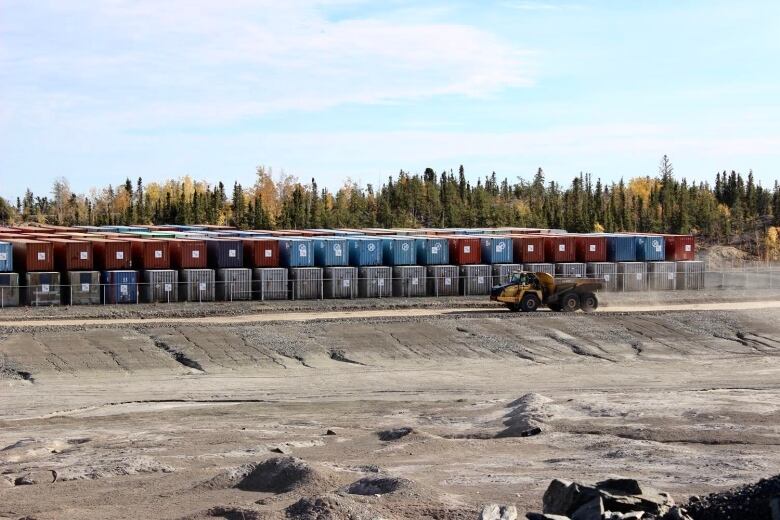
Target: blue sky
102,90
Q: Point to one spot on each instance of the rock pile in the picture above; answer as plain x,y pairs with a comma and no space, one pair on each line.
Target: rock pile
757,501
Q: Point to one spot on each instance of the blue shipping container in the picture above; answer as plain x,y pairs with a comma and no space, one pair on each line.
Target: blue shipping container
399,251
330,252
432,251
621,248
497,250
650,248
120,286
6,258
364,251
296,252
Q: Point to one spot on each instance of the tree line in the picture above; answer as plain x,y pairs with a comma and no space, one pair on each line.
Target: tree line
732,206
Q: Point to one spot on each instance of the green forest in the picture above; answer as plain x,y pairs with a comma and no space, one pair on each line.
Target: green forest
729,208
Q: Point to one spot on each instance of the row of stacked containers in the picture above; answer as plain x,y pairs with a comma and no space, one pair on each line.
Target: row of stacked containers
46,265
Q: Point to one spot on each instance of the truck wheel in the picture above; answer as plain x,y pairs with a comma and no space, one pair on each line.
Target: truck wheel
513,307
530,303
589,302
570,302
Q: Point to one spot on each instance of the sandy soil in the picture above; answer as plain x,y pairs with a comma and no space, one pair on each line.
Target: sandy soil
154,419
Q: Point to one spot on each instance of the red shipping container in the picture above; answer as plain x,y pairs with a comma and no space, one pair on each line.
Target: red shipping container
559,248
31,255
71,255
529,249
680,247
464,250
111,255
150,253
590,248
261,252
188,254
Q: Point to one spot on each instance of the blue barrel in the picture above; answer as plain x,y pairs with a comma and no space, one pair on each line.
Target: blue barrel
296,252
432,251
496,250
621,248
365,251
120,286
330,252
650,248
399,251
6,257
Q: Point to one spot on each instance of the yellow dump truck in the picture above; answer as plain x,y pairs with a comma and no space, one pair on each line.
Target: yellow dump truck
528,291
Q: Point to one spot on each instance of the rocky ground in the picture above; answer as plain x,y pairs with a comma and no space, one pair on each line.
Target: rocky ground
392,417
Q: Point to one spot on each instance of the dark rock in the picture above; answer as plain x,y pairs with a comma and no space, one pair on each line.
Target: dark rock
543,516
330,432
618,486
592,510
563,497
374,485
751,501
394,434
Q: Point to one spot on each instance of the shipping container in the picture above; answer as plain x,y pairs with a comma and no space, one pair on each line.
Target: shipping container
559,248
120,286
442,280
475,279
690,275
31,255
160,286
540,268
632,276
225,253
364,251
261,252
399,251
497,250
621,248
111,255
503,272
650,248
331,252
661,276
432,251
71,255
269,283
42,289
234,284
528,248
604,271
82,288
197,285
6,257
150,253
375,282
590,248
465,250
188,254
409,280
570,270
340,282
9,289
296,252
680,248
305,283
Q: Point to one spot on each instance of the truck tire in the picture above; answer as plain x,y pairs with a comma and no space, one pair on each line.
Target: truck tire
589,302
513,307
570,302
530,303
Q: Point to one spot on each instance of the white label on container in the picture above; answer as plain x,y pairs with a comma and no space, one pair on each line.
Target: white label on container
44,288
41,256
83,255
435,250
157,253
405,246
168,287
371,247
638,276
123,289
85,287
592,248
3,257
346,281
687,248
500,246
302,250
670,276
381,282
120,255
480,279
195,253
337,249
268,253
530,248
232,253
414,281
606,277
561,247
447,281
656,246
202,286
467,249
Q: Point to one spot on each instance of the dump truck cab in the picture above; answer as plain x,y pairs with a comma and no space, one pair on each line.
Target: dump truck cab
527,291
